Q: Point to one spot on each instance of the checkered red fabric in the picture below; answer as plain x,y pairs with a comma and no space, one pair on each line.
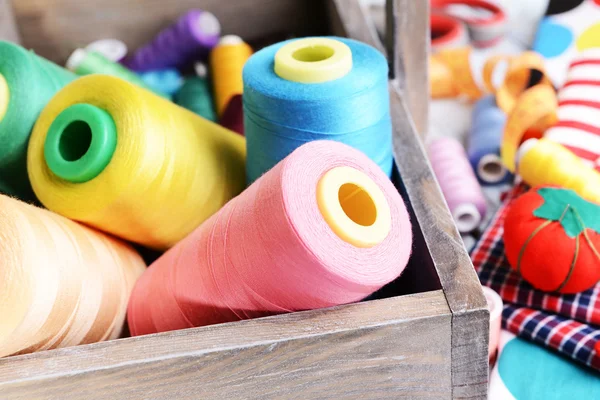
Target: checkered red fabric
569,324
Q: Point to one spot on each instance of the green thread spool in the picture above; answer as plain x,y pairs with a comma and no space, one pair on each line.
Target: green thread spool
28,82
84,62
195,96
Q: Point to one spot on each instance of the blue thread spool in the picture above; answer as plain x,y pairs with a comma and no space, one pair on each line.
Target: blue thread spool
310,89
484,142
167,81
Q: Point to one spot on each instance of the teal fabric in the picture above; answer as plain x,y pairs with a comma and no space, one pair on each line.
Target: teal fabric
531,372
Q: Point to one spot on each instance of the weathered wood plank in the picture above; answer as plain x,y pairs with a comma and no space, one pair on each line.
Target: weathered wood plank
8,29
377,349
56,27
470,322
408,42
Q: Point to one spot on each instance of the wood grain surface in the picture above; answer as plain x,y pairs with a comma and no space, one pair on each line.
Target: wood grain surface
379,349
54,28
407,41
8,29
470,321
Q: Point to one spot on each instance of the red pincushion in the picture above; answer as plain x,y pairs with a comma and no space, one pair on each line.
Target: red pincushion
551,237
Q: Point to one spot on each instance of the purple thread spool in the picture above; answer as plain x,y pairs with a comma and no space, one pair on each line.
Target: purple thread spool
188,40
458,183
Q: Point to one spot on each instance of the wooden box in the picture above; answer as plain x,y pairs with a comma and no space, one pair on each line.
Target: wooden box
429,342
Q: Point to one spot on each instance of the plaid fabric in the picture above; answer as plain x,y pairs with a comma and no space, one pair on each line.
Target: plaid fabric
565,323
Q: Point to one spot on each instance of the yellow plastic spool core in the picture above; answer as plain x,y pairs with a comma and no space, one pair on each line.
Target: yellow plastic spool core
313,60
4,96
354,207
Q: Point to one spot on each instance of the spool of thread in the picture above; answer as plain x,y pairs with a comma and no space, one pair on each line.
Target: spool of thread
458,183
27,82
227,61
311,89
485,140
84,62
544,162
332,228
167,81
117,157
485,20
447,32
495,306
195,96
190,39
61,283
112,49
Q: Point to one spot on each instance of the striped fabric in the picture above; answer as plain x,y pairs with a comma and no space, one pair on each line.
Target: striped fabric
578,127
569,324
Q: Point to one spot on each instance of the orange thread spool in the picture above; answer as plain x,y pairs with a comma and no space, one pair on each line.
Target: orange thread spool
61,283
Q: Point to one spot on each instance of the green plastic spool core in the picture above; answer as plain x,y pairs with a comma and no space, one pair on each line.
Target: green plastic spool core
80,143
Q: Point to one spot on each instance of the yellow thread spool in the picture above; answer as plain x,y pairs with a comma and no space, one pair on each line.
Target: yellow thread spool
354,207
227,61
4,96
544,162
313,60
128,162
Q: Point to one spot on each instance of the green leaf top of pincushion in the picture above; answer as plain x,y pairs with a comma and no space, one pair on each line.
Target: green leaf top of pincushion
573,212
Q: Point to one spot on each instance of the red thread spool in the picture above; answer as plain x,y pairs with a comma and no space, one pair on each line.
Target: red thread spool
551,236
324,227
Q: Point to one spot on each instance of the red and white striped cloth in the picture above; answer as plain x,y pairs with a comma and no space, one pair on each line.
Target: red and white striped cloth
578,127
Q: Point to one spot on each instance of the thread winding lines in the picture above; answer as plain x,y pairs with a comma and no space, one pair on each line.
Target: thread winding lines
189,39
485,138
281,114
27,82
72,289
544,162
132,164
458,183
323,227
227,61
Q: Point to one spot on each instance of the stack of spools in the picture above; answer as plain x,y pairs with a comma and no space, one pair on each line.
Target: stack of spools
321,225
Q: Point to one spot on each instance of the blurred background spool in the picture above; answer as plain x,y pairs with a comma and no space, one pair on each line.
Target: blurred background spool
495,306
458,183
27,82
167,81
485,139
112,49
84,62
195,95
355,238
227,61
190,39
233,116
544,162
130,163
316,88
61,284
447,32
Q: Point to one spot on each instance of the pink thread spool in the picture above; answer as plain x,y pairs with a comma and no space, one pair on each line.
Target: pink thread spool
458,182
324,227
495,305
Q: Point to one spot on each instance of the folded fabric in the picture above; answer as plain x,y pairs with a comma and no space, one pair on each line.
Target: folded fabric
571,27
572,339
565,323
578,127
525,371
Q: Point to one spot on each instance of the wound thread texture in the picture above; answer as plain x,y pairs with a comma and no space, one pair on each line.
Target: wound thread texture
271,250
61,283
170,170
30,83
